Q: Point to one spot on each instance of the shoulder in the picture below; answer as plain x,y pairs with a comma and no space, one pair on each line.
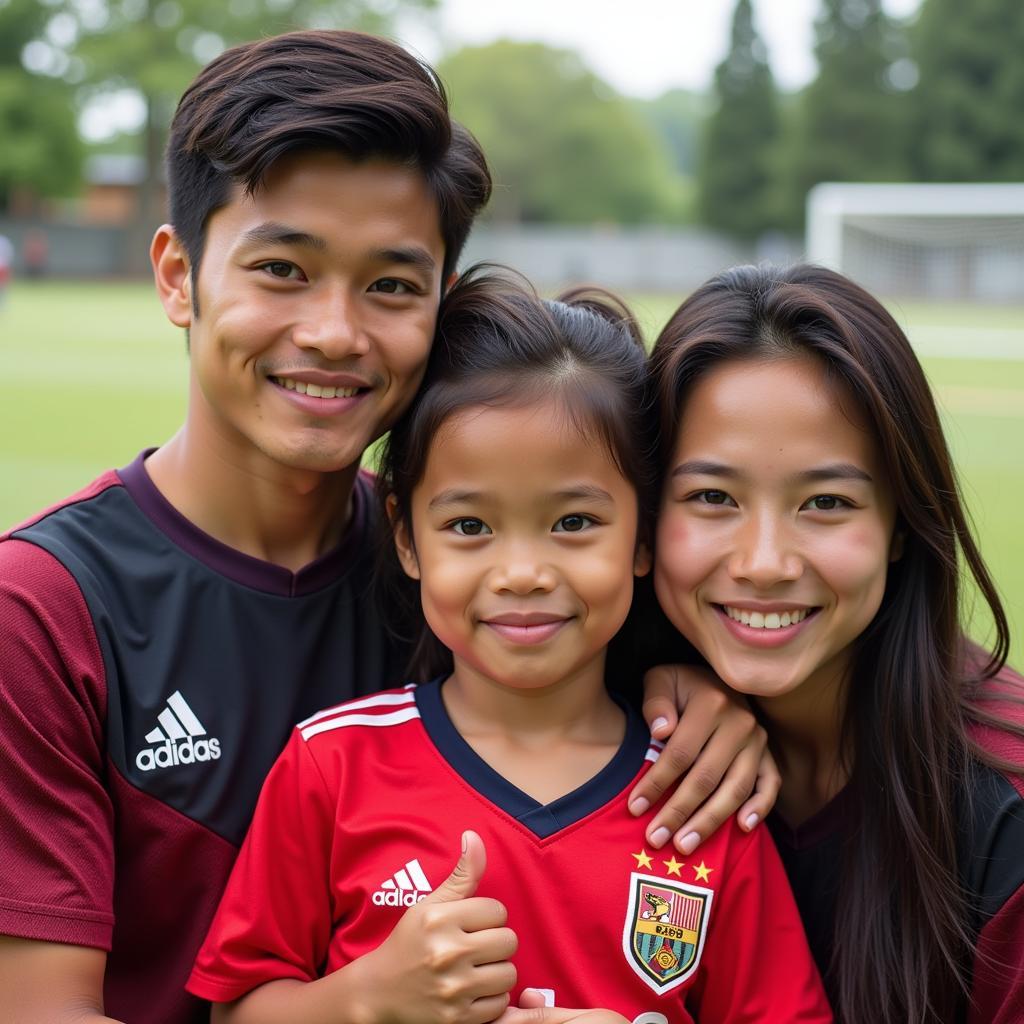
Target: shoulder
102,483
381,711
996,722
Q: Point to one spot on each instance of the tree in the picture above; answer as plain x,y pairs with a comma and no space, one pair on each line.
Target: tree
41,153
854,118
736,169
563,145
156,47
969,100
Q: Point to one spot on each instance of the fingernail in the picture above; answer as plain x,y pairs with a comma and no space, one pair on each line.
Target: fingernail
639,805
659,837
658,723
689,842
752,820
465,842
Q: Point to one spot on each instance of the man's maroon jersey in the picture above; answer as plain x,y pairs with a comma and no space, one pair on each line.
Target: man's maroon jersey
149,677
362,816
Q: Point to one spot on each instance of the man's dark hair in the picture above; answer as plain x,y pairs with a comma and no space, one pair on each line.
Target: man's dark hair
356,94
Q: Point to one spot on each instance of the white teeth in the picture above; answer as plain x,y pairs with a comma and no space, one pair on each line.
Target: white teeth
314,390
771,620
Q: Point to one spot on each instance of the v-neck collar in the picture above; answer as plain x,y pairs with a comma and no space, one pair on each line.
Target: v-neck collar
542,819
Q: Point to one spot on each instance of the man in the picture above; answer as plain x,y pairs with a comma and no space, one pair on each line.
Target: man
164,628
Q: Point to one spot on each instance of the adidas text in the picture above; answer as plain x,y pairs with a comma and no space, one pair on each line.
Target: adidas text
397,898
188,751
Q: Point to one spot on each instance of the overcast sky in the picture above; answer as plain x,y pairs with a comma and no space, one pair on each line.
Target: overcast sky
642,47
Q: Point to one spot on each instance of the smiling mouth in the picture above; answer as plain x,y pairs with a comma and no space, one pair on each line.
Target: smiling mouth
767,620
314,390
526,630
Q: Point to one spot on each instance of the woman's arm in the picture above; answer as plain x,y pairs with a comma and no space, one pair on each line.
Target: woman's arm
714,742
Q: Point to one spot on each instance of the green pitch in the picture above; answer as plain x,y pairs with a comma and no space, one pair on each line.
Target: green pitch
91,373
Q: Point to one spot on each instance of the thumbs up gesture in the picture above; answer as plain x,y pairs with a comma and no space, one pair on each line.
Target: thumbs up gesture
446,962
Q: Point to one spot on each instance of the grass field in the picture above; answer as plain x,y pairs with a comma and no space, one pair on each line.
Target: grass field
93,372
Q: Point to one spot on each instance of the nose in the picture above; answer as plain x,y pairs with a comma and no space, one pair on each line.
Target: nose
331,324
521,569
764,552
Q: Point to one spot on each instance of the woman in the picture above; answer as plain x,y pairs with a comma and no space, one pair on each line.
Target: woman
809,546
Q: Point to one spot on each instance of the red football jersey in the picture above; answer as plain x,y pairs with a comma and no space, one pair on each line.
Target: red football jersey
362,817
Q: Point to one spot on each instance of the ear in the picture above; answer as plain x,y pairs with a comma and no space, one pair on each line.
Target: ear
452,278
897,544
173,275
403,539
642,560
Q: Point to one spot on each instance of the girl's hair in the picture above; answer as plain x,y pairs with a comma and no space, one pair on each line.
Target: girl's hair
498,345
903,938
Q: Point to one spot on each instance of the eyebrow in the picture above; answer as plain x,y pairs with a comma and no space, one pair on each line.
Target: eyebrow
273,233
583,492
411,256
832,471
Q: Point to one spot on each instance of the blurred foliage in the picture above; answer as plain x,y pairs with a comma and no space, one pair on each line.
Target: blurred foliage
41,149
562,144
970,98
737,175
678,117
156,47
854,117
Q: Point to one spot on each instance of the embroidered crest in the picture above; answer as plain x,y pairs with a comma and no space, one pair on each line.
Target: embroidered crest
664,931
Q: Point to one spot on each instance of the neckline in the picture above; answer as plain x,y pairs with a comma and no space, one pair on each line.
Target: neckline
237,566
543,820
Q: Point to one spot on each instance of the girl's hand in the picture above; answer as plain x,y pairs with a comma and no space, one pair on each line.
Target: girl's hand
453,952
714,742
533,1011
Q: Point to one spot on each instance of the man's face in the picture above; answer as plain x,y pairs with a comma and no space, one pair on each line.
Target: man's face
317,299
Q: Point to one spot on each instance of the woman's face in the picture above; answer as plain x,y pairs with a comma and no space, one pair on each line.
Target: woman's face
776,526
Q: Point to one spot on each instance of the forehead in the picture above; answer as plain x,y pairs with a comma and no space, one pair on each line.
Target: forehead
327,194
775,408
524,445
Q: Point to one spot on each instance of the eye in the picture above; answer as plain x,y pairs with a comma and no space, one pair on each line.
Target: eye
712,497
470,527
825,503
572,523
391,286
283,270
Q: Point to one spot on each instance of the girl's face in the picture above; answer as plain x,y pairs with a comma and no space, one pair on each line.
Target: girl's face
525,544
776,526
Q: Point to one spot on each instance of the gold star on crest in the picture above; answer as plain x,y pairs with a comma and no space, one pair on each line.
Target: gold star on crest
673,865
702,871
642,859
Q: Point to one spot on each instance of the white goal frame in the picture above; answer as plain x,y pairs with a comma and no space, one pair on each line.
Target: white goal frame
936,241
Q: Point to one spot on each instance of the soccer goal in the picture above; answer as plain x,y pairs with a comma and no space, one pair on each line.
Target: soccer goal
956,242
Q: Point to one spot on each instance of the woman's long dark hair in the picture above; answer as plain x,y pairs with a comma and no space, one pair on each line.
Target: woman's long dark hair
499,344
903,940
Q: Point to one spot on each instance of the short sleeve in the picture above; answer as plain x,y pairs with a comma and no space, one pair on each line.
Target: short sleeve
275,918
56,859
757,965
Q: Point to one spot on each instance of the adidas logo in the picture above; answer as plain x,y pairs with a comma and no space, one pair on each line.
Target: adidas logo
175,740
405,889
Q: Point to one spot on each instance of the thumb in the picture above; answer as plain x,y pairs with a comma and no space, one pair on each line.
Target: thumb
462,882
660,707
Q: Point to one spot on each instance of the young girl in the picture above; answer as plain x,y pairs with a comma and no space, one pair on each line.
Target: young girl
518,487
810,545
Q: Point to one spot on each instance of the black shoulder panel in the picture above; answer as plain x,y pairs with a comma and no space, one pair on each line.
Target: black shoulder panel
205,676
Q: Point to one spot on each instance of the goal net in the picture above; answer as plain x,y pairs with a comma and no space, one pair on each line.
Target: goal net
940,242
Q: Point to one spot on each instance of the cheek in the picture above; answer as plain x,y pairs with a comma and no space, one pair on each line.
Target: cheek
683,554
857,567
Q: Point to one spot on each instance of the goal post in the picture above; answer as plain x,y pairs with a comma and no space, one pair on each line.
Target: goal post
939,242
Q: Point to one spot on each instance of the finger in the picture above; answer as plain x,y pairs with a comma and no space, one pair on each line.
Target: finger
766,792
661,704
492,980
681,751
476,915
465,877
489,1008
493,944
702,786
731,792
531,999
